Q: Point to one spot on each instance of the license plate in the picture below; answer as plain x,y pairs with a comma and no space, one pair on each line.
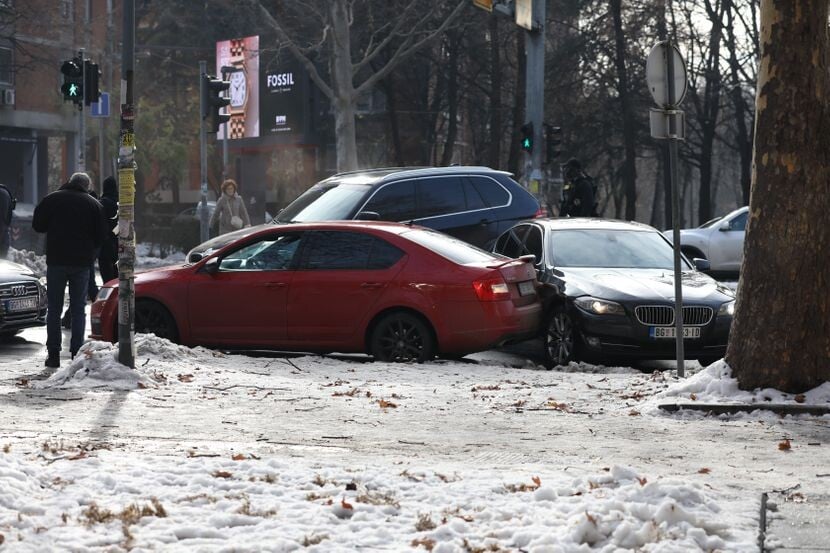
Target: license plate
21,304
671,332
526,288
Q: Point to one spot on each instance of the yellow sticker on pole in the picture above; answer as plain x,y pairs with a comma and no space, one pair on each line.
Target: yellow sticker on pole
126,187
484,4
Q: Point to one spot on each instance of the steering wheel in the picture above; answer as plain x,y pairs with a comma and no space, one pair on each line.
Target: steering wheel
254,263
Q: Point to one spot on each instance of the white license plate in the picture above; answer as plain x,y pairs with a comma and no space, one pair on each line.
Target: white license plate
21,304
671,332
526,288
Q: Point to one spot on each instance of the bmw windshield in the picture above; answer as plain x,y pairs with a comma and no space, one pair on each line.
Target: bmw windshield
614,249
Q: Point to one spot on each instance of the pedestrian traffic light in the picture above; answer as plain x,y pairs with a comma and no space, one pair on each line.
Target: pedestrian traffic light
73,81
527,137
553,142
213,101
92,77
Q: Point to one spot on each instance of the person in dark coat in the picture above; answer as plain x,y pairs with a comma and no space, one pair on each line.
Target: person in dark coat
577,192
73,223
109,248
7,203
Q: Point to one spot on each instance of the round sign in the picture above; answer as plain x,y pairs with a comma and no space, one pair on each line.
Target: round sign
657,74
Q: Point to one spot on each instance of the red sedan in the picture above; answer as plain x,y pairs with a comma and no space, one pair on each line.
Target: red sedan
397,292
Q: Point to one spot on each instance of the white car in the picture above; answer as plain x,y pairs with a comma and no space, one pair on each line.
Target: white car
720,241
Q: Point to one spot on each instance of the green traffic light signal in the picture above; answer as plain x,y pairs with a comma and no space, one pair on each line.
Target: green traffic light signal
527,137
73,77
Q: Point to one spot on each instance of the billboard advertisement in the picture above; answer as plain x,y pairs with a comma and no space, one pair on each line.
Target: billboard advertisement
284,101
241,54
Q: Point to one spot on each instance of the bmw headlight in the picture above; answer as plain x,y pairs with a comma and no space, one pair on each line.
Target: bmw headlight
104,293
727,309
598,306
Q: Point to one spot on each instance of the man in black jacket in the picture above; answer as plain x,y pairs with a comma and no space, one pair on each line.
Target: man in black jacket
577,192
73,223
109,249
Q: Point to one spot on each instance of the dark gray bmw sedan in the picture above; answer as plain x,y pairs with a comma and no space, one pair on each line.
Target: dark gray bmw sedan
609,292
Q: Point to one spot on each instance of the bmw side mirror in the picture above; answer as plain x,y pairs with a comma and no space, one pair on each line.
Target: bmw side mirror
212,266
702,265
368,216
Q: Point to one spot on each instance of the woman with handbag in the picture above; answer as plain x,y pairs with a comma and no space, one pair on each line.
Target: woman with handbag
230,210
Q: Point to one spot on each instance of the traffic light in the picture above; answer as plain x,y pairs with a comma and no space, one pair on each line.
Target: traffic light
73,81
527,137
92,76
553,142
213,102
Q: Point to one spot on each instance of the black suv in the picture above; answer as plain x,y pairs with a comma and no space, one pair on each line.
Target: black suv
475,204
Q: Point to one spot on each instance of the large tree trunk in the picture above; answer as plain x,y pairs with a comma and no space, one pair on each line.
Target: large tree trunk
345,132
781,332
629,168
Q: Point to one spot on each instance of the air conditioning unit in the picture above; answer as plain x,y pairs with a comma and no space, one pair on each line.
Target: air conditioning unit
7,96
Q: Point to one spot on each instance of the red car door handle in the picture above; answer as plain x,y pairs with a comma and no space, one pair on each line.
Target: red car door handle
275,285
371,285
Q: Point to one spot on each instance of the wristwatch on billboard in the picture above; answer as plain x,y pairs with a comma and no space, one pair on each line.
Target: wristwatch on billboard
238,90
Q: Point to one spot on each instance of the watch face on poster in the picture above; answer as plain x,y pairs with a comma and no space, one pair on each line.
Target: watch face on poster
239,89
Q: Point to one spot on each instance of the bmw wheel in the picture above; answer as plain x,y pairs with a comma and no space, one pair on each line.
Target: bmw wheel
153,318
560,338
401,338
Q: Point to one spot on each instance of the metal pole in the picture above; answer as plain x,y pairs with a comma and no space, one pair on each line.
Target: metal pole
675,209
126,195
203,215
535,93
82,127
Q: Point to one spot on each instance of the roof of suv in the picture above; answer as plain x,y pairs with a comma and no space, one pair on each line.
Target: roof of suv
390,173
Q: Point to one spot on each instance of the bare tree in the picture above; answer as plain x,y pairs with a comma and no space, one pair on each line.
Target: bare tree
352,48
781,331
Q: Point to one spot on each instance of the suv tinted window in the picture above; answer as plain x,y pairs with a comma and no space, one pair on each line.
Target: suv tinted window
334,250
474,199
493,193
439,196
325,204
394,202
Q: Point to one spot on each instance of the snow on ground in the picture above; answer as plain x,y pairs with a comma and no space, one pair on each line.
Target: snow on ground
33,261
148,256
201,450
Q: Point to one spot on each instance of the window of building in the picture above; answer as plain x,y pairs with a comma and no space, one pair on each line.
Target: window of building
67,8
6,74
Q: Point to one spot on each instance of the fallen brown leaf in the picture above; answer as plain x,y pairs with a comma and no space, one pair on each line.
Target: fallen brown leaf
346,505
704,470
386,404
785,445
427,543
537,481
221,474
238,457
643,481
185,377
693,397
800,398
633,413
591,519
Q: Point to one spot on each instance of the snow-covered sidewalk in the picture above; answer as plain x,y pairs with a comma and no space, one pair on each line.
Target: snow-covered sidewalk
204,451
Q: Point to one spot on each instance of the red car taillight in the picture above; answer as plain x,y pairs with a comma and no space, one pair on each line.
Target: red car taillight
540,213
491,289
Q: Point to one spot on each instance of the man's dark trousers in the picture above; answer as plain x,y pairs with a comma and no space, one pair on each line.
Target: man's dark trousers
57,277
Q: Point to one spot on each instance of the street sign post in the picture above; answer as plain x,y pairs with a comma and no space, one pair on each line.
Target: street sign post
667,82
101,108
